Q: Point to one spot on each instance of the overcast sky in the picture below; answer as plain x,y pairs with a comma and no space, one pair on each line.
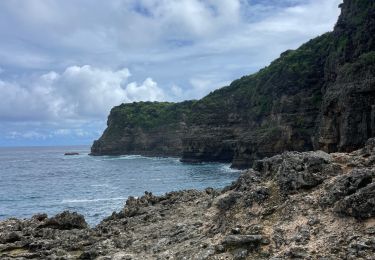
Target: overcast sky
64,64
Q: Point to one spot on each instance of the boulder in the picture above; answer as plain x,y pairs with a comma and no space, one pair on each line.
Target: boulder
360,205
294,171
10,237
346,185
66,221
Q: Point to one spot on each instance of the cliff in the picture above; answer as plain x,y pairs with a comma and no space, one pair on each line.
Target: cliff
309,205
320,96
146,128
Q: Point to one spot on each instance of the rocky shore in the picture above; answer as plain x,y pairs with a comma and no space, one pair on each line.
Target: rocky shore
297,205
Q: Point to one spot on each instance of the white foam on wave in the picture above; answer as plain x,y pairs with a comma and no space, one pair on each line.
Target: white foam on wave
74,157
132,157
227,168
122,157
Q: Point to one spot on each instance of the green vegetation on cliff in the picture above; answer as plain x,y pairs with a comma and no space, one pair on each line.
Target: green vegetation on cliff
258,94
150,114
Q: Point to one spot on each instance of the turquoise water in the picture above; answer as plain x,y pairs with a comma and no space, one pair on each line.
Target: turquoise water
42,179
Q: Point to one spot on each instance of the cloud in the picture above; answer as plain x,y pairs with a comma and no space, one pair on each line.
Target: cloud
175,49
78,93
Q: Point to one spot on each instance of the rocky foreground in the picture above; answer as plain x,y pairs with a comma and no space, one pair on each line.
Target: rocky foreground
310,205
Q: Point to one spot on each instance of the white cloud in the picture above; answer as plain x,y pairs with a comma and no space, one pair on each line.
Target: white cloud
77,93
175,49
25,135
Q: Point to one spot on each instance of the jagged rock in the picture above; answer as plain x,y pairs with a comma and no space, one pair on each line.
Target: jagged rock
294,171
66,220
298,252
229,201
359,205
40,217
245,182
302,237
346,185
10,237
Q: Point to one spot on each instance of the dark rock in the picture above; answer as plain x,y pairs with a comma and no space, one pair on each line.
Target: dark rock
294,171
258,195
240,253
304,171
219,248
298,252
245,182
71,153
229,201
236,231
347,185
360,205
66,220
10,237
312,221
40,217
303,236
255,229
88,255
278,237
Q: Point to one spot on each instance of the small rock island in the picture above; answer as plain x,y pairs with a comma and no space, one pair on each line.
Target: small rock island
71,153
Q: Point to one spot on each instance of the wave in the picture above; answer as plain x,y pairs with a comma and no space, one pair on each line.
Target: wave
227,168
132,157
78,156
19,160
92,200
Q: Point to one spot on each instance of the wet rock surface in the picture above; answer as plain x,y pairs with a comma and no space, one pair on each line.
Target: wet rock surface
309,205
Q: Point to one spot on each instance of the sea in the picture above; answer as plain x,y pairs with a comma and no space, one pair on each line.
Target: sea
44,180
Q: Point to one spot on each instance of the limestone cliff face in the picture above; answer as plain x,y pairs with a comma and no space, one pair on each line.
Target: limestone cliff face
145,128
320,96
347,112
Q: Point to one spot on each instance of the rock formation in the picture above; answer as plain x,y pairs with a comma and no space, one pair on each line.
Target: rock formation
297,205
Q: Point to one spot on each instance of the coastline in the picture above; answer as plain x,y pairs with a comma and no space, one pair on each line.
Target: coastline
295,205
44,180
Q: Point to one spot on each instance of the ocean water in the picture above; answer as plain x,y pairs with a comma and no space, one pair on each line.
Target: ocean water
42,179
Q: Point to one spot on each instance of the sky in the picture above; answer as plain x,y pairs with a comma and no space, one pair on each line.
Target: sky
65,64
